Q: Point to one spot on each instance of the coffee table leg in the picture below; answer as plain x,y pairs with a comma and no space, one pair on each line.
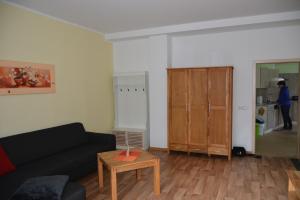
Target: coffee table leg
138,174
156,180
113,184
100,175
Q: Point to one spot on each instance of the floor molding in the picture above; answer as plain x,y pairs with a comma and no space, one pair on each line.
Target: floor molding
158,149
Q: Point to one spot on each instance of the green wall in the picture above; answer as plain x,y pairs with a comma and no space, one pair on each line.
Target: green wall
283,68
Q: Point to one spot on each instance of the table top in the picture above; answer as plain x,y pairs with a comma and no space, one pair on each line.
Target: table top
108,158
294,176
294,180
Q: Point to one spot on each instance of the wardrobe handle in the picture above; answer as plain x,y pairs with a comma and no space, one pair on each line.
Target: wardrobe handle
208,107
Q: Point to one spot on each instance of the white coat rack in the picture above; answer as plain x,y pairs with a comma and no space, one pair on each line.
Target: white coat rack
131,109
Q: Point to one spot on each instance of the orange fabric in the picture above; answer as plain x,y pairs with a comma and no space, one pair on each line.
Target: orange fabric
132,156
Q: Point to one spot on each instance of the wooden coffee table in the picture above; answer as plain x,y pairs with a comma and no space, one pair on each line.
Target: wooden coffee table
294,184
144,160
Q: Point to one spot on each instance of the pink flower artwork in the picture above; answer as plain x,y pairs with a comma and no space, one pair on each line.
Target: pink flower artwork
26,78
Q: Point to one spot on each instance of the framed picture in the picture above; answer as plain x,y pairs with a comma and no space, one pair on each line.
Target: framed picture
26,78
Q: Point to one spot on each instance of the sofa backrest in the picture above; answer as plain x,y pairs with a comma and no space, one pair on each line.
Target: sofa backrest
26,147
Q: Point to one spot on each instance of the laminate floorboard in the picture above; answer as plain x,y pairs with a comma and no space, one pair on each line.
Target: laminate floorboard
200,177
278,143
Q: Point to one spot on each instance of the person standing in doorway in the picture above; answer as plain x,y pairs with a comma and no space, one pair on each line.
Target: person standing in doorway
285,104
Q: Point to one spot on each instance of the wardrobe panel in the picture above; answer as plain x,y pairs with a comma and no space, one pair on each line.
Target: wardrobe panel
218,114
179,87
178,108
198,109
198,129
179,126
217,86
217,132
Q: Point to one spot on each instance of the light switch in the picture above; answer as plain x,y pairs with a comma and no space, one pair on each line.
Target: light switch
243,107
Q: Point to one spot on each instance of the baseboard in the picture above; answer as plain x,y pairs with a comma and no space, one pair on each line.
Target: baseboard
250,153
158,149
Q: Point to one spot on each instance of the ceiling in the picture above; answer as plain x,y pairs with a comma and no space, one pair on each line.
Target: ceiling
109,16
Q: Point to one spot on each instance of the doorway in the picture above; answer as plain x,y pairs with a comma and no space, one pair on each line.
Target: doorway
271,137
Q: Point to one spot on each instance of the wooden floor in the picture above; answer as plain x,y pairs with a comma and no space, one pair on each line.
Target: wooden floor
278,143
202,178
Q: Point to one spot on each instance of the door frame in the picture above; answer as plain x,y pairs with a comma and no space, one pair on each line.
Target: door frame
272,61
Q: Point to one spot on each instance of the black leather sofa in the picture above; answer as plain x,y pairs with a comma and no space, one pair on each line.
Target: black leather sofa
66,149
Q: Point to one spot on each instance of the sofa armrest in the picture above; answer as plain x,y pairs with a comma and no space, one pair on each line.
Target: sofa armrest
102,138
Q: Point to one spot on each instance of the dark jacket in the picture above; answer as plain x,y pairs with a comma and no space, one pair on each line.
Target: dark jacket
284,97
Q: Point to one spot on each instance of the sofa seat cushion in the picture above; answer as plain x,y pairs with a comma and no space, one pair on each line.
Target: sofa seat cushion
67,162
42,187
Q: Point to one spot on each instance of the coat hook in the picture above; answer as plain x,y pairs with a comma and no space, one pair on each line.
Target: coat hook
135,89
128,89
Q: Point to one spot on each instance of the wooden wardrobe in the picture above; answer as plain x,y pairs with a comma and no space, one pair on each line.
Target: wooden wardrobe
200,110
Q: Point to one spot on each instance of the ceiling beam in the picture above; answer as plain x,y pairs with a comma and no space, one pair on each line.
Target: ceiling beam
207,25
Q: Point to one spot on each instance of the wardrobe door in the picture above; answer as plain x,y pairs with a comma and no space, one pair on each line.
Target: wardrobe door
219,114
198,111
178,113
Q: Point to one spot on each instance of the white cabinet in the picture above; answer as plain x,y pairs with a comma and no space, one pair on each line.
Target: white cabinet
277,118
274,73
258,77
131,109
274,118
294,111
264,76
271,118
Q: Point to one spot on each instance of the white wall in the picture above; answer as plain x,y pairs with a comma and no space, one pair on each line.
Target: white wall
158,62
238,48
131,55
148,54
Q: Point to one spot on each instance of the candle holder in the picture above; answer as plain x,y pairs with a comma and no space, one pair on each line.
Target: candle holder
127,144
